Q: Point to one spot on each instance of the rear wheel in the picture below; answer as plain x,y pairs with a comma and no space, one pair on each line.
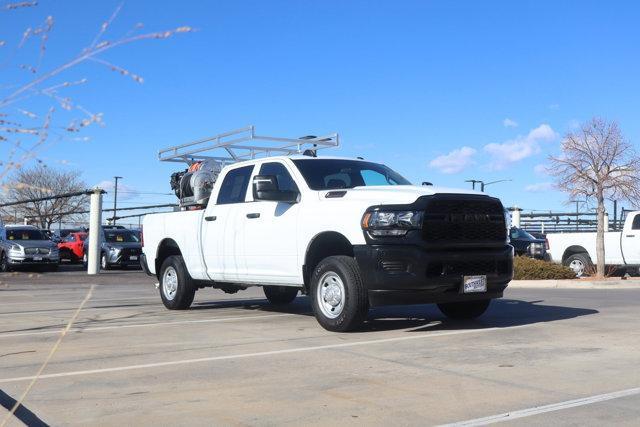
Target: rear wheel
280,295
176,287
579,263
464,310
340,301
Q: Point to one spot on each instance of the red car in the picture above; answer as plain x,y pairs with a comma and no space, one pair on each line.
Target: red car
71,247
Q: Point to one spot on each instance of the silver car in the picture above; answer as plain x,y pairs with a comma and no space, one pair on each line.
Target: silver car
26,246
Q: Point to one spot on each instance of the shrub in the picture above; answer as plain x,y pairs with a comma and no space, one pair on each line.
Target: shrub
525,268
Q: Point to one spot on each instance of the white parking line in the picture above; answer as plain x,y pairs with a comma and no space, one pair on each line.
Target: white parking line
522,413
146,325
418,336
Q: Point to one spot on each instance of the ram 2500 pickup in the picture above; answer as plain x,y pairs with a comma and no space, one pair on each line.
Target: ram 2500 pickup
350,234
578,250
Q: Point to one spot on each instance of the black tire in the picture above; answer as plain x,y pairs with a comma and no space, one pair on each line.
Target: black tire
339,272
280,295
464,310
4,263
104,263
580,264
182,296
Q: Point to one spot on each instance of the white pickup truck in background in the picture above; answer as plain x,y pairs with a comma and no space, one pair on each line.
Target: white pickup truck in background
347,232
578,250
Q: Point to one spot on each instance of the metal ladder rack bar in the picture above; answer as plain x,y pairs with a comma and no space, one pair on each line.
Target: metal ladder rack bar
191,151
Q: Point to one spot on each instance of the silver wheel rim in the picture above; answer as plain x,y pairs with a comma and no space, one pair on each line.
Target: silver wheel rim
330,295
170,283
577,266
103,262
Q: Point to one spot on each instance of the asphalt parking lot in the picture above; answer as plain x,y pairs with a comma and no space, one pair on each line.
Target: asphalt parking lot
538,357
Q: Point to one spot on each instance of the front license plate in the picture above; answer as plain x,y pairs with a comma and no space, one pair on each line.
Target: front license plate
133,257
473,284
37,258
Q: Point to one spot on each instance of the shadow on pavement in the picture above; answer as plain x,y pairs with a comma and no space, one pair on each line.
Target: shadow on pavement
502,313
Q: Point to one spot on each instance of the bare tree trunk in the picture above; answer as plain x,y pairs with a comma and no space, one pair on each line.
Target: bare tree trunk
600,236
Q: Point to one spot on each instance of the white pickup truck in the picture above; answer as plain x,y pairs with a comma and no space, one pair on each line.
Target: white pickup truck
347,232
578,250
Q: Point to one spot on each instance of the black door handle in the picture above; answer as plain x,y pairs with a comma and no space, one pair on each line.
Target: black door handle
630,235
210,218
253,215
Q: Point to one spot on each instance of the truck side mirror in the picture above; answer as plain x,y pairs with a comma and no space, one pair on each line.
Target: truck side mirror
265,187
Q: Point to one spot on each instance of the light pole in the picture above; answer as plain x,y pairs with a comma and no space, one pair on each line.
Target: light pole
473,183
115,199
484,184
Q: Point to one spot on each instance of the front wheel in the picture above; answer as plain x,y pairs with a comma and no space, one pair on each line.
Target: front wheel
4,263
176,287
340,300
464,310
280,295
104,263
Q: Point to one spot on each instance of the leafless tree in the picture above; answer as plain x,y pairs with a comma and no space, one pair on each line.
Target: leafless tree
42,181
597,162
25,125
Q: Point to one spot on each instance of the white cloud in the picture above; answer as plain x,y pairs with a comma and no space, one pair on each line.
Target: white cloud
124,191
520,148
541,169
509,123
539,187
454,162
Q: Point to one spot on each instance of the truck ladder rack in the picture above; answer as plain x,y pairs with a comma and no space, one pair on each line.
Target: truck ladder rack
231,147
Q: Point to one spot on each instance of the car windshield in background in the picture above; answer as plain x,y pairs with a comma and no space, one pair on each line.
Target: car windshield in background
332,174
518,233
121,237
25,234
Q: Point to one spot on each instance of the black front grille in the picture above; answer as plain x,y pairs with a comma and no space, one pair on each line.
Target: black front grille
464,220
127,252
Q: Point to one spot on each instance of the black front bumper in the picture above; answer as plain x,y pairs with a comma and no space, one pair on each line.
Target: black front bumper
401,274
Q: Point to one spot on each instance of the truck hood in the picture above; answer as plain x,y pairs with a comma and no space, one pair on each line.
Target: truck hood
397,194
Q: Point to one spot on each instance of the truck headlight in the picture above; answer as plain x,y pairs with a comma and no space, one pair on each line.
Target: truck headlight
391,223
15,248
114,251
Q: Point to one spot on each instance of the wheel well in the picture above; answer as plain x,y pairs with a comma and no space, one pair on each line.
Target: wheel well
166,248
323,245
572,250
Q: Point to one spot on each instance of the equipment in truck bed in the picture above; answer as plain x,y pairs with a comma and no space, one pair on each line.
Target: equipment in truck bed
206,158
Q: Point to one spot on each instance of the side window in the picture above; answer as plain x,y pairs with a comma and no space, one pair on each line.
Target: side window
234,186
636,223
285,181
69,238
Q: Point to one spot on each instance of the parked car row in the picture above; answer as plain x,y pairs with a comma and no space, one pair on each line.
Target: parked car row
26,246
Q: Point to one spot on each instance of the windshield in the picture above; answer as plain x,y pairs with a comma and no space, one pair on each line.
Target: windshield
518,233
121,236
331,174
25,234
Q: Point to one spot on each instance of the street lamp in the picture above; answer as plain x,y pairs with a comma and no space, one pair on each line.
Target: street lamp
115,199
484,184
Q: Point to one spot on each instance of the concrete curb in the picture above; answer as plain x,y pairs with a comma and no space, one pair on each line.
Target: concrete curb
574,284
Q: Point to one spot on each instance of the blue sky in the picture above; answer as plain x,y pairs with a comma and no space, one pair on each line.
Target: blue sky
441,91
